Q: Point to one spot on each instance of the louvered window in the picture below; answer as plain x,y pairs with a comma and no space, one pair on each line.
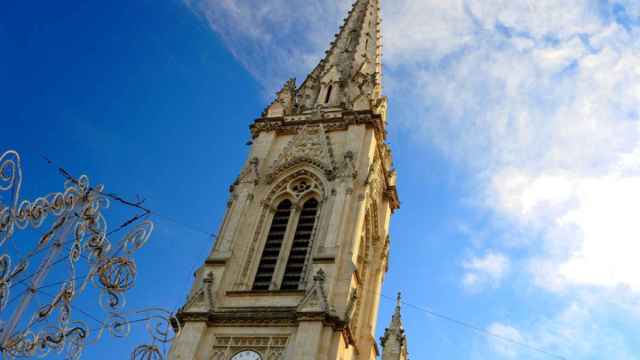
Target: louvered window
272,246
300,247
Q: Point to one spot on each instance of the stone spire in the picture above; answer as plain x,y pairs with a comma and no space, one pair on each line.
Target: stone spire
349,77
394,341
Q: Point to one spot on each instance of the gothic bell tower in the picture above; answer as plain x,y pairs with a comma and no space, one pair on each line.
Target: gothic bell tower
298,265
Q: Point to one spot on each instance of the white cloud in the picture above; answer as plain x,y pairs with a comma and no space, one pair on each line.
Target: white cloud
487,270
539,18
606,217
506,349
574,333
549,126
416,39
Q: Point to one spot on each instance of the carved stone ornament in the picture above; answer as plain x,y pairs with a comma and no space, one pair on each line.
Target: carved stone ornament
269,347
250,174
285,102
348,168
203,296
331,121
315,300
296,185
208,284
310,145
375,180
351,305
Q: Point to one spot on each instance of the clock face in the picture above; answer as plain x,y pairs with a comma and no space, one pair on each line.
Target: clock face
247,355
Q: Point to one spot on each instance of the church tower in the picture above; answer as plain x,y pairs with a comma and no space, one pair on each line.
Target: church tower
298,265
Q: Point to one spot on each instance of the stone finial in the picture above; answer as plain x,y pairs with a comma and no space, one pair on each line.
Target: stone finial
396,321
320,276
290,85
284,104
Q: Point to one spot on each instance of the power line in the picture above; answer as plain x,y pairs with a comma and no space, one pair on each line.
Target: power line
138,204
85,313
23,281
127,223
460,323
185,226
475,328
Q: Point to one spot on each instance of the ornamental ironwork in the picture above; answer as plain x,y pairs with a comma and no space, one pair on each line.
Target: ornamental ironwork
35,322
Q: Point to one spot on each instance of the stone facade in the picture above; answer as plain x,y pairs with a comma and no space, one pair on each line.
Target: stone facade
298,265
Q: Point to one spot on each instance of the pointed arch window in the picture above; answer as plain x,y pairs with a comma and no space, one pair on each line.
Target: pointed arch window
328,96
272,247
301,246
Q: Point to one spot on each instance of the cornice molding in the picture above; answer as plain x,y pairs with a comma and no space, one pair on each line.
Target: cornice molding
260,317
335,122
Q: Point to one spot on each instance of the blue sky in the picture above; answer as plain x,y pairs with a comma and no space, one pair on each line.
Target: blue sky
514,126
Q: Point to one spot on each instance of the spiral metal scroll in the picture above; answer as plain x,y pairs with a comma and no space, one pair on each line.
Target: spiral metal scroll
78,236
162,327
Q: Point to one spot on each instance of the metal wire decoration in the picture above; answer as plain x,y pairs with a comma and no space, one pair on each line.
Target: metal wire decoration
76,237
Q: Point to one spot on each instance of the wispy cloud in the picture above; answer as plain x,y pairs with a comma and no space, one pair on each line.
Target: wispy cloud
506,349
542,103
275,39
487,270
576,332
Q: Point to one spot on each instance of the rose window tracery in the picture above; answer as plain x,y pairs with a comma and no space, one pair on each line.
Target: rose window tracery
296,186
301,186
